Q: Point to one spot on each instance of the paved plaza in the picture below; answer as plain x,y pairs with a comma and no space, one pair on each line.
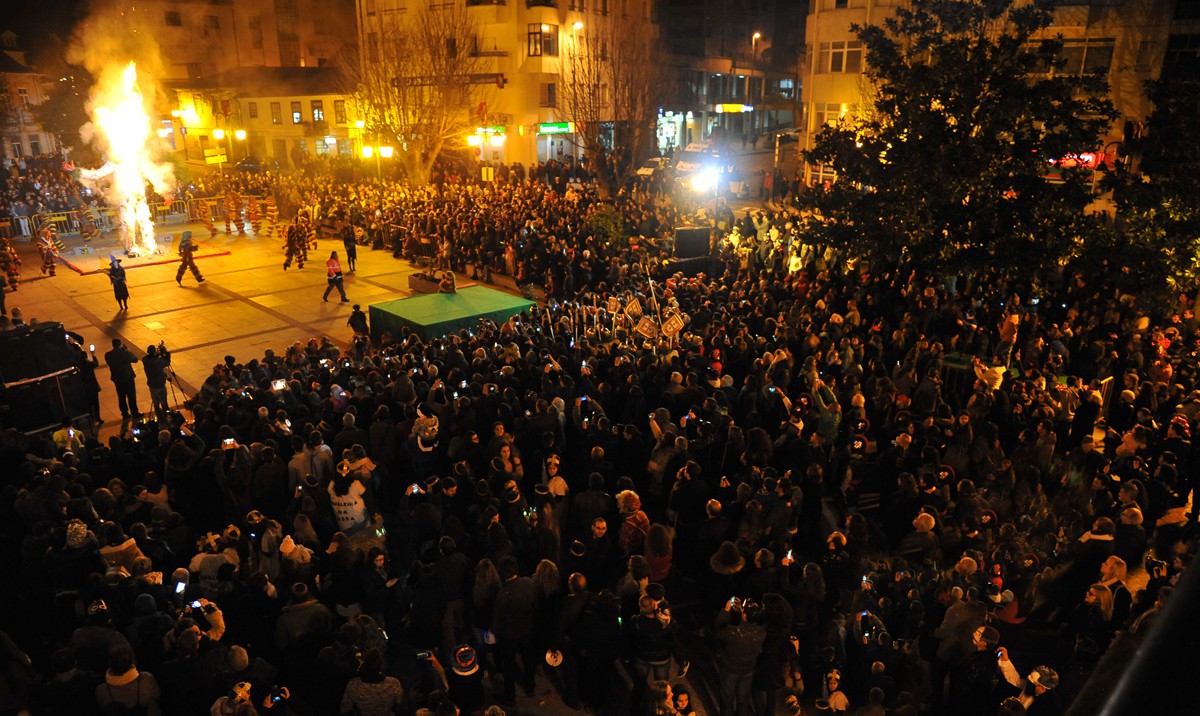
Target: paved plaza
246,305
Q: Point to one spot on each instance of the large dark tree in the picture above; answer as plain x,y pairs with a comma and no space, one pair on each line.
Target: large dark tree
64,111
1158,194
949,158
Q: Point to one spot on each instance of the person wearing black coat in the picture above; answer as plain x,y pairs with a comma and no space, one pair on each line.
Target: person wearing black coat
512,623
120,364
740,642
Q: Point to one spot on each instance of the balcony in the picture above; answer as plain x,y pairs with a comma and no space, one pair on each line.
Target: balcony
482,3
541,3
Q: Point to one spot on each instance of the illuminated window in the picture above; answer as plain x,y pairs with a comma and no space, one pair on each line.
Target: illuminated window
543,40
276,113
844,56
297,113
318,110
824,113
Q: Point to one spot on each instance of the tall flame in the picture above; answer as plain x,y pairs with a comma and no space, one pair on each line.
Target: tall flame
121,117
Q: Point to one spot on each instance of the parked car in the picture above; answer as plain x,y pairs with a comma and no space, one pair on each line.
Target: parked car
653,166
255,165
787,136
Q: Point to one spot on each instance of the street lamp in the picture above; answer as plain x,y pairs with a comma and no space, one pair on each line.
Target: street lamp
577,26
753,64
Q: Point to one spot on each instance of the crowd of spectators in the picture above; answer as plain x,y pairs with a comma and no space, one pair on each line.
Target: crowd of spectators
38,185
808,492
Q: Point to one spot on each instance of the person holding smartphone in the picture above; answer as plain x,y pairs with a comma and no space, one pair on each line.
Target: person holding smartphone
120,364
67,438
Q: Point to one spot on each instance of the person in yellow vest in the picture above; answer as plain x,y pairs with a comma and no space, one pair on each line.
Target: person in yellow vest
333,268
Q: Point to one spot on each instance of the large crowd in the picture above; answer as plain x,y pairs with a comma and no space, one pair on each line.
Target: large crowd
834,488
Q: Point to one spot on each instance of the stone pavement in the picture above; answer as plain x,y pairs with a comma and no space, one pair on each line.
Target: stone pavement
246,305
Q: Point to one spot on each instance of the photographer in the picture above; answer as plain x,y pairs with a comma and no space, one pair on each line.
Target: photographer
739,643
155,366
120,364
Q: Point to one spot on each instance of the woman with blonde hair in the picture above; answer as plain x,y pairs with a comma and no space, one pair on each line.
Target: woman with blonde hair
1092,618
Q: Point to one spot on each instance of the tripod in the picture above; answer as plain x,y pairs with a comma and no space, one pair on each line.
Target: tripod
173,380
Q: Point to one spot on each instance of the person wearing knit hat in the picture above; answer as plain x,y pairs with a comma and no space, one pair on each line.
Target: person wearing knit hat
972,680
77,534
234,701
464,680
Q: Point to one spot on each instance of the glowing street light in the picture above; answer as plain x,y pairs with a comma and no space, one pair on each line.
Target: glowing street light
577,26
386,151
218,134
368,151
240,135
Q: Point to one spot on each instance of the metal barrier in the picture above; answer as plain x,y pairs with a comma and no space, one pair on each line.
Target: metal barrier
175,212
64,223
215,206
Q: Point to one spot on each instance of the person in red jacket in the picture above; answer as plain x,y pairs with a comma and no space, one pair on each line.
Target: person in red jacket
333,268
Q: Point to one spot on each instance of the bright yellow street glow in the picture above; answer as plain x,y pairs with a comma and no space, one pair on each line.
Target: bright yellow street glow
474,140
497,140
385,152
218,134
360,123
578,25
368,152
239,134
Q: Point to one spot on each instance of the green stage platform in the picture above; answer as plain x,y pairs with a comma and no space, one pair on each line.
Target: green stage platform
436,314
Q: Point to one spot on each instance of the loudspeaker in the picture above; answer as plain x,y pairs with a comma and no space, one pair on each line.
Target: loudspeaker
31,351
41,404
692,241
691,267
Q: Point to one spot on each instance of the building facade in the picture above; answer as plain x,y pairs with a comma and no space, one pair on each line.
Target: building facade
288,115
202,38
735,65
21,87
1127,42
525,45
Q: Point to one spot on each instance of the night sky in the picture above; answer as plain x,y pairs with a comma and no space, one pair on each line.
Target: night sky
36,22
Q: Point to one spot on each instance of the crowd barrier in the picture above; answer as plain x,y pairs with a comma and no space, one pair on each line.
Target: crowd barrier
75,223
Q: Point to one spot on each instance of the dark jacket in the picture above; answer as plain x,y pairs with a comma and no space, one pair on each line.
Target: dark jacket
512,617
304,625
738,645
649,640
120,364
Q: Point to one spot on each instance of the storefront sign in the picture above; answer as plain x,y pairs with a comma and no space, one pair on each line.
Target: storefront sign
556,128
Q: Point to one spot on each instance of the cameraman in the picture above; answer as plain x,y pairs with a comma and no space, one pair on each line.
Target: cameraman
155,365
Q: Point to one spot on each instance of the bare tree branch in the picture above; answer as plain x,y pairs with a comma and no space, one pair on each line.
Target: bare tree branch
413,84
